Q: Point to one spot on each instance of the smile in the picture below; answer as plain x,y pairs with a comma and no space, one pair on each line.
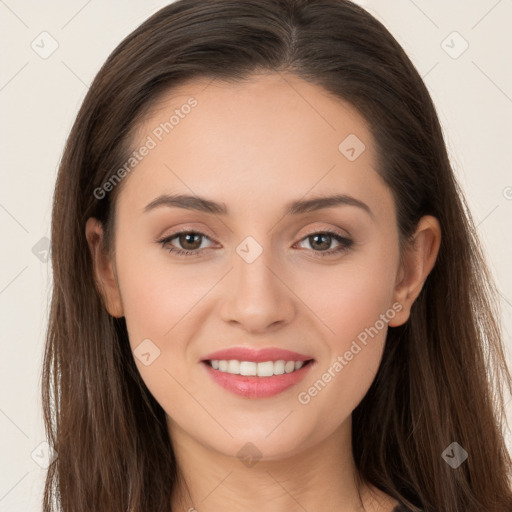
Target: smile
252,368
251,379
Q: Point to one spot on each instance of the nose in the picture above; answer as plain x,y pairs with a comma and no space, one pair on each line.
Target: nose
257,298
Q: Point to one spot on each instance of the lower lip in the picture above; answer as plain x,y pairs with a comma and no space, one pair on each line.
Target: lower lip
257,387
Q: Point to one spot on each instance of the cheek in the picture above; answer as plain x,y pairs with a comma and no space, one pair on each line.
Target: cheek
159,311
157,295
152,304
164,308
353,295
354,302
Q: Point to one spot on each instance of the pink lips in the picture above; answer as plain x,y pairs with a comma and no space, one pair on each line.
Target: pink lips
253,386
258,356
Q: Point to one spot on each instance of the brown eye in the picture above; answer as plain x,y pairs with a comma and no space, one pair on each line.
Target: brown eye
320,242
190,242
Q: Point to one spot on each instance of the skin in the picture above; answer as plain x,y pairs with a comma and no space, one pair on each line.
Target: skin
255,146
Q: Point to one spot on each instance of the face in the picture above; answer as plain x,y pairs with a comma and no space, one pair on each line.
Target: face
318,282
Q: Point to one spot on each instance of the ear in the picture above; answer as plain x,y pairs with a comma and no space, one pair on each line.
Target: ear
418,260
104,268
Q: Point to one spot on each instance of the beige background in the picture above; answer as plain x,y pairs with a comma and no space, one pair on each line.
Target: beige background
39,98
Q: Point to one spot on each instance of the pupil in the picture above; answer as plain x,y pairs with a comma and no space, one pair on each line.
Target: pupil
325,244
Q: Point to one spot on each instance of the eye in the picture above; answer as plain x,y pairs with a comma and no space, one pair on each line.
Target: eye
321,239
186,238
191,241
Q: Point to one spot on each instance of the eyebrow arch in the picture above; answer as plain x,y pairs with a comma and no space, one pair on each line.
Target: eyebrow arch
293,208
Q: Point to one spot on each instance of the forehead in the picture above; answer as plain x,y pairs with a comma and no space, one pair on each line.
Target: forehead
265,140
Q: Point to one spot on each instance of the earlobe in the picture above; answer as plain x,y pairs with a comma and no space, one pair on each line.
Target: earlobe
103,268
419,259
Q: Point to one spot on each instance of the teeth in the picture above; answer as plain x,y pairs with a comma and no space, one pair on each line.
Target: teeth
263,369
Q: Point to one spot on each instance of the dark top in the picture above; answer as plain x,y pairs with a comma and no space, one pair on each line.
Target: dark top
401,508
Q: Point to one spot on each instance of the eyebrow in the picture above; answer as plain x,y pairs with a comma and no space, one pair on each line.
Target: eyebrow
293,208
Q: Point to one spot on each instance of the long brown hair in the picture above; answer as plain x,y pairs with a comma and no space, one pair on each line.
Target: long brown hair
443,372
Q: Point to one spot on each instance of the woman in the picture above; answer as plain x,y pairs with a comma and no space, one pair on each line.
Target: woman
268,290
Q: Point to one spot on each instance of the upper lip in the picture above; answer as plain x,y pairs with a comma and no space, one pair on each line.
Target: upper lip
260,355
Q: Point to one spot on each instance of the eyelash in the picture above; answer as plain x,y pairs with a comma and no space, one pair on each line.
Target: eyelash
345,243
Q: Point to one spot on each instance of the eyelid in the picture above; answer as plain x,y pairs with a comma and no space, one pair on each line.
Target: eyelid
167,238
187,228
205,231
345,243
338,231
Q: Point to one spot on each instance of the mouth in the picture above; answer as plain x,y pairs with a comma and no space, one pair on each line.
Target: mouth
259,369
256,380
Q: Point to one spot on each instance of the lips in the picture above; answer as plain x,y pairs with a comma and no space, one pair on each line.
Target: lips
250,386
257,356
257,387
